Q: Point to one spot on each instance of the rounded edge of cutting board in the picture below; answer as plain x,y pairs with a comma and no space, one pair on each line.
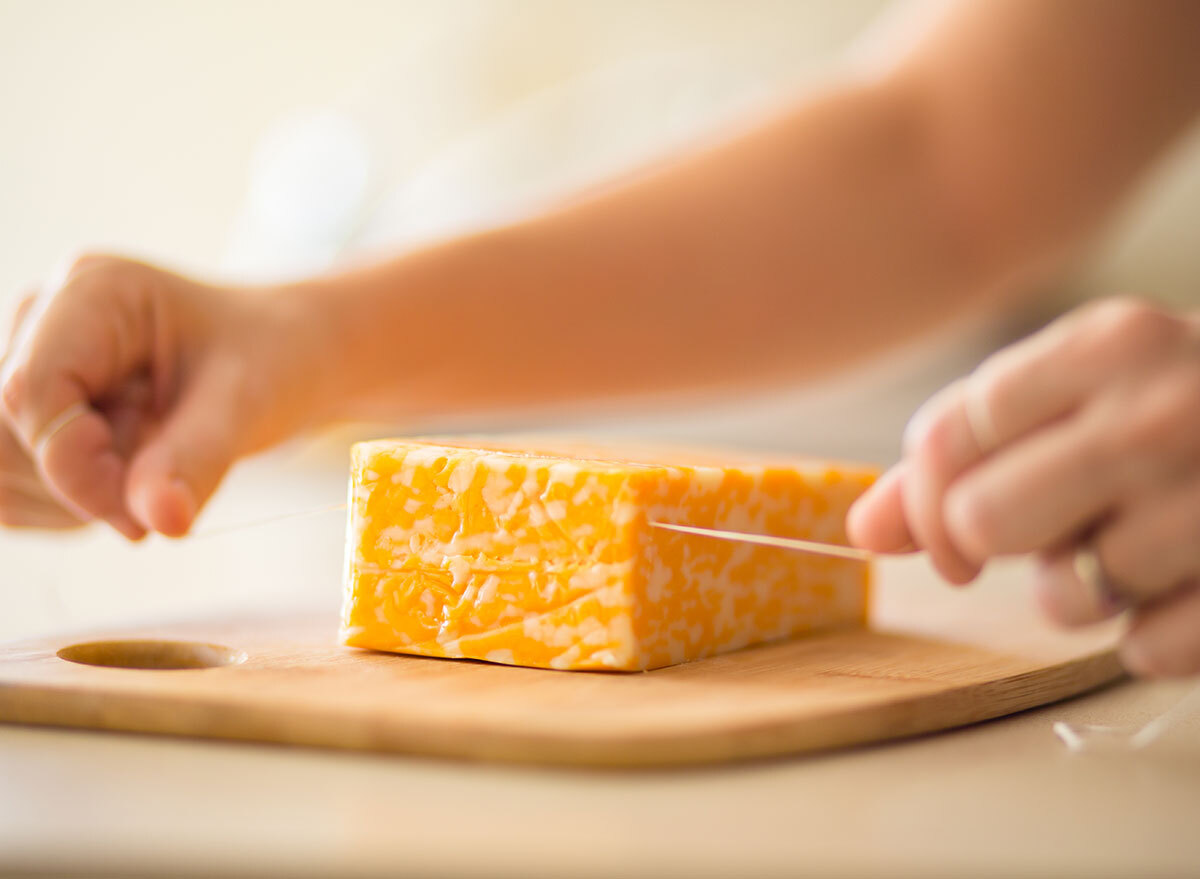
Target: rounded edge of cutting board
762,702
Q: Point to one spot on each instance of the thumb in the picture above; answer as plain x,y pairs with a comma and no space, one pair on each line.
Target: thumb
173,475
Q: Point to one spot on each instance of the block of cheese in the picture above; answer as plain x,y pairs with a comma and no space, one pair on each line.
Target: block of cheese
545,557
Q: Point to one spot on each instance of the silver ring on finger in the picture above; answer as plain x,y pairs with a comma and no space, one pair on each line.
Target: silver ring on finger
1090,571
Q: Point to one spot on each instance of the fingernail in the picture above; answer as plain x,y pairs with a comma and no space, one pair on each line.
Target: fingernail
868,496
853,514
166,507
179,509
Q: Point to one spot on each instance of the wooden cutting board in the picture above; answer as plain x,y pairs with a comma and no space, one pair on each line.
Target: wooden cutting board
936,659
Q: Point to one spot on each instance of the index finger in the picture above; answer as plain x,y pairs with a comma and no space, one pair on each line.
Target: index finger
1024,387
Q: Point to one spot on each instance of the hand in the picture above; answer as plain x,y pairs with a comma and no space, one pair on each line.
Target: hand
129,391
1087,434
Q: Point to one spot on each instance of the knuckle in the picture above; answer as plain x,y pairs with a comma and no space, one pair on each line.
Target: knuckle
928,436
933,444
995,371
1135,326
1117,309
90,276
84,260
917,428
1158,423
992,385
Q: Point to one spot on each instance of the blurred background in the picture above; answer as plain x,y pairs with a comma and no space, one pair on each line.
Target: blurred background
258,139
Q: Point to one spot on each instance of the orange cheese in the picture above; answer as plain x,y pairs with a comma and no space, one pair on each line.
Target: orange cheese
546,558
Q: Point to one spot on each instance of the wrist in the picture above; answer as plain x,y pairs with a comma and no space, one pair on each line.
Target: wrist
298,352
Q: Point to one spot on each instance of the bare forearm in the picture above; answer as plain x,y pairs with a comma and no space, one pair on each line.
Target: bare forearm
870,211
1041,115
792,249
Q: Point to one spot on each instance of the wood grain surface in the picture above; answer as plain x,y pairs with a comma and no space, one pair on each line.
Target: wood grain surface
929,663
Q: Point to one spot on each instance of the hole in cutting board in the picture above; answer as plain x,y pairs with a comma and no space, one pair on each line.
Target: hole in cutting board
162,655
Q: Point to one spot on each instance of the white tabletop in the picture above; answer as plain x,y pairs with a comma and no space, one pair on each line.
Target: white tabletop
1002,798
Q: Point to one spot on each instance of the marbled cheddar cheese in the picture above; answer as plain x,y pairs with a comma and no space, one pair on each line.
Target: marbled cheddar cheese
545,558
